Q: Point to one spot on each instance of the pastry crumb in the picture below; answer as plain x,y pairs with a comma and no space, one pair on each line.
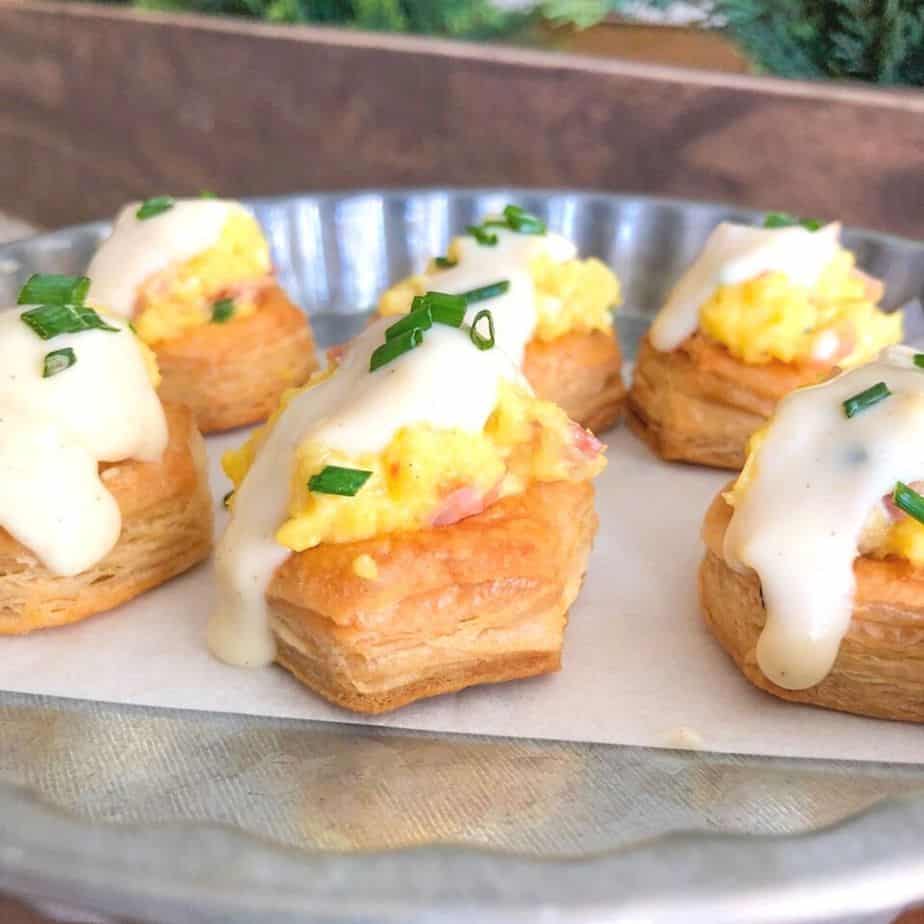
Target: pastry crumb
364,566
688,739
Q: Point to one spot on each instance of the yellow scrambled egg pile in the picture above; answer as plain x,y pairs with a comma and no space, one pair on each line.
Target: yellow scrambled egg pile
882,536
525,440
181,297
771,317
577,295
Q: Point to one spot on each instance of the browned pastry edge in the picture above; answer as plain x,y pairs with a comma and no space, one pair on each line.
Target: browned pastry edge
234,373
166,529
581,373
879,670
482,601
699,404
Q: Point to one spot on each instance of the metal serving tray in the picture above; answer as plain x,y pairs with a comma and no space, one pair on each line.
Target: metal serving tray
173,816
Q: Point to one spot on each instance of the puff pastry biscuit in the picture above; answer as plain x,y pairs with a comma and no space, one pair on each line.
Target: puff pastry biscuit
484,600
879,669
166,529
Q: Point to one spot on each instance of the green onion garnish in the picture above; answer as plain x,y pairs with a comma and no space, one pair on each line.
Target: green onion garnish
222,310
785,220
909,500
919,360
332,479
57,361
522,221
439,307
484,237
445,308
42,289
866,399
393,348
226,500
420,319
445,262
480,341
490,291
153,207
207,194
50,320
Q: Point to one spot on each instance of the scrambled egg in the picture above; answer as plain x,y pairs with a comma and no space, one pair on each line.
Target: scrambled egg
181,297
423,469
577,295
882,535
771,318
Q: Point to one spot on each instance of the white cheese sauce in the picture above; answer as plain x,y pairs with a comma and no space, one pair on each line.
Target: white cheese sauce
138,248
734,254
446,382
514,312
819,476
55,431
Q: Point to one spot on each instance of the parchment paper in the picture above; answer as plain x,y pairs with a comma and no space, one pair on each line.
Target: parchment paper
639,666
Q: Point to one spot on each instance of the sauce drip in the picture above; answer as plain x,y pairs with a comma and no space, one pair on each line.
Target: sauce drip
138,248
734,254
798,523
55,431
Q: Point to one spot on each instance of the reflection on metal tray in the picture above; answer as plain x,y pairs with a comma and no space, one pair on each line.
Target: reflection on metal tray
342,791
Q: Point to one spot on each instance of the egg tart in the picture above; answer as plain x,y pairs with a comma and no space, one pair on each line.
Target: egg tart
553,311
103,490
762,311
395,536
194,276
813,577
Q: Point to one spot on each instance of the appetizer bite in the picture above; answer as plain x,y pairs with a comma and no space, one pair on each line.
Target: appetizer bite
762,311
553,312
103,491
413,522
813,579
194,277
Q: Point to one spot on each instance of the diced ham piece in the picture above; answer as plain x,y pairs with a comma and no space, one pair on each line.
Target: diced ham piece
461,503
585,442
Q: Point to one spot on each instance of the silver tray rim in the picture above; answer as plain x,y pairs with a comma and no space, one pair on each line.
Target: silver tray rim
869,863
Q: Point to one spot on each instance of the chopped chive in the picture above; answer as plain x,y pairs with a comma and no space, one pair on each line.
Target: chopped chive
420,319
480,341
332,479
485,238
452,314
222,310
50,320
866,399
154,206
522,221
489,291
445,262
226,500
908,500
133,329
394,348
919,360
49,289
57,361
446,307
779,220
785,220
207,194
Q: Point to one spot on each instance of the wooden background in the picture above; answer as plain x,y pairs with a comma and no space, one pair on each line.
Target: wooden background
99,105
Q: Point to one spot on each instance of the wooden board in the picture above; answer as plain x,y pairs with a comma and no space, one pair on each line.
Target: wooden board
101,104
